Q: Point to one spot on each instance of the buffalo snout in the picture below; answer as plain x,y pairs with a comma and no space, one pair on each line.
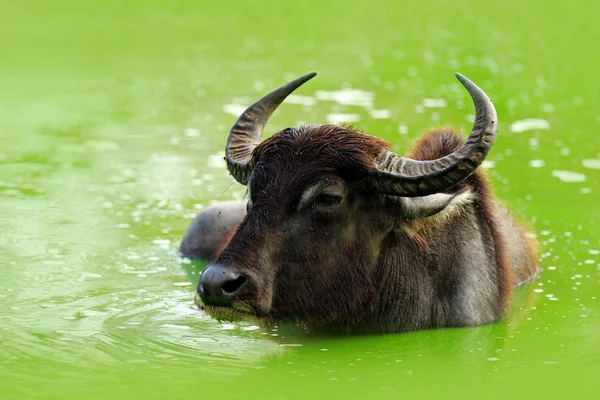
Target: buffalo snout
221,285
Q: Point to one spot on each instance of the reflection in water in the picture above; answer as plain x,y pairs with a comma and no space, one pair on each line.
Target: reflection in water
289,334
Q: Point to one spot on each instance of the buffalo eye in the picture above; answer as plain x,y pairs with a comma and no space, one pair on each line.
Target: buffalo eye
327,200
323,195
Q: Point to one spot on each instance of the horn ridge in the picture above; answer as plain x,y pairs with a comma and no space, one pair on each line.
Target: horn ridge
401,176
246,132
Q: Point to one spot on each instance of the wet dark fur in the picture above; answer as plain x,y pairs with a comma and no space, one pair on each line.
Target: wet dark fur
443,141
365,266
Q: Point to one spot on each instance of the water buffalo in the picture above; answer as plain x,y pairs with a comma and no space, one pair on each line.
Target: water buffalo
341,233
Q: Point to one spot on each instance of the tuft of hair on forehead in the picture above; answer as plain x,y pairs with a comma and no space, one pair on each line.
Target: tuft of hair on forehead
337,146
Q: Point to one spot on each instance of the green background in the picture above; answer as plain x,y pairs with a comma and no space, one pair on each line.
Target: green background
113,121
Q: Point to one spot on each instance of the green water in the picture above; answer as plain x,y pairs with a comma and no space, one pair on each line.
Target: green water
113,120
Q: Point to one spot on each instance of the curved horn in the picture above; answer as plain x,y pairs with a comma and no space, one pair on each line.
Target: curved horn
401,176
245,134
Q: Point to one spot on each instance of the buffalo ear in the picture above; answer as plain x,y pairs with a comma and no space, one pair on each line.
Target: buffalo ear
427,206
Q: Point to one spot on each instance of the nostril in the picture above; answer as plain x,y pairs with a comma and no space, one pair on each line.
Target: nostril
220,284
234,285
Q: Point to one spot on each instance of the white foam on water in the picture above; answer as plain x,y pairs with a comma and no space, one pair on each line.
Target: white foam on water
101,145
53,262
536,163
529,124
380,114
91,275
591,163
337,118
347,97
216,160
569,176
434,103
534,142
191,132
173,326
302,100
234,109
259,86
251,328
546,107
402,129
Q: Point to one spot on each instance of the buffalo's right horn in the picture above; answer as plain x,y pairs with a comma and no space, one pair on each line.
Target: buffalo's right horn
400,176
245,134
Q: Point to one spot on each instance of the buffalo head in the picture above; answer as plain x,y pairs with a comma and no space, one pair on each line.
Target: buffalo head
319,243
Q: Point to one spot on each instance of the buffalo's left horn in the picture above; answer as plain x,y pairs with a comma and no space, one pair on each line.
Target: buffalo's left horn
245,134
401,176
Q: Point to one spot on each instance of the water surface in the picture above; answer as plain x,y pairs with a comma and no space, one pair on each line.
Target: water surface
113,120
